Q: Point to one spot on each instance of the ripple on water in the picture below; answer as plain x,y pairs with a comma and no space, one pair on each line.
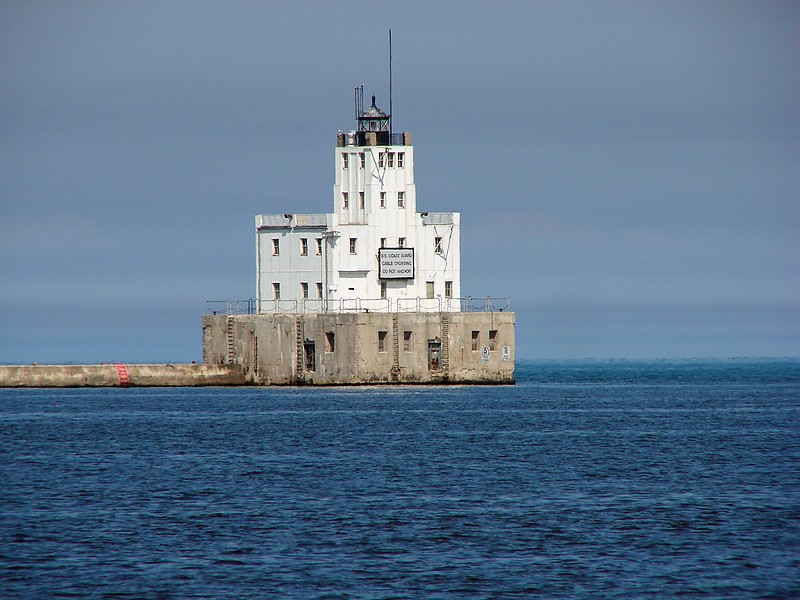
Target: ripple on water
585,480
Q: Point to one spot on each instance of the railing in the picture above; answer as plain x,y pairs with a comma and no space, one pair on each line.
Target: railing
277,306
485,304
231,307
354,138
349,305
420,304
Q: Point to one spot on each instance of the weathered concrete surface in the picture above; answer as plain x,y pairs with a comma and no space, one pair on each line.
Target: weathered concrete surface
154,375
364,348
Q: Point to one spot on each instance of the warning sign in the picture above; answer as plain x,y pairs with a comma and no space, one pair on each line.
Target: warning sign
396,263
506,354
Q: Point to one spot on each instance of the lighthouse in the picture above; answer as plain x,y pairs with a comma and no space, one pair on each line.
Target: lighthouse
375,251
369,293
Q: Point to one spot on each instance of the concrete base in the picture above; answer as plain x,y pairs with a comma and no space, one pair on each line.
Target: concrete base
364,348
181,375
315,349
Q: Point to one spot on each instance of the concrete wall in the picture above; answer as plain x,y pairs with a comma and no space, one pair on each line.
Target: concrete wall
156,375
271,349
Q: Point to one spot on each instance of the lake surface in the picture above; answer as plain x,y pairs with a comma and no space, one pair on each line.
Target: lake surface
587,479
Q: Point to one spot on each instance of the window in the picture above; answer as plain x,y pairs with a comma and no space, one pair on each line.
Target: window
390,161
401,156
310,353
304,290
437,245
476,340
353,245
382,341
429,290
434,354
330,341
381,159
448,289
303,247
362,160
401,242
345,201
383,290
276,291
401,199
344,161
319,246
319,290
407,347
276,246
361,200
492,339
383,242
383,199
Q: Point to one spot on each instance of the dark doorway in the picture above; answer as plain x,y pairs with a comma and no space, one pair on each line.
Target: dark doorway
310,354
434,354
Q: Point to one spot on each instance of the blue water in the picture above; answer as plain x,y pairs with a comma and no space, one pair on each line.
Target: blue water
585,480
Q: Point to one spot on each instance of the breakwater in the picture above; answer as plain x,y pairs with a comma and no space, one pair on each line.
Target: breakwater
121,375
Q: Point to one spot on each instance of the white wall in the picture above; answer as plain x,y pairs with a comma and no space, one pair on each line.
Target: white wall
348,276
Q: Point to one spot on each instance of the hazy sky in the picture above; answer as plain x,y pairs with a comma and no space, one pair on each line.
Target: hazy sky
628,173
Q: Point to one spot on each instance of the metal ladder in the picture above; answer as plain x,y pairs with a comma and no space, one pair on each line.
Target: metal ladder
299,353
395,372
445,321
230,356
122,375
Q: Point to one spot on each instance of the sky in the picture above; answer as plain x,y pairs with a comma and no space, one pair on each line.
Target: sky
628,173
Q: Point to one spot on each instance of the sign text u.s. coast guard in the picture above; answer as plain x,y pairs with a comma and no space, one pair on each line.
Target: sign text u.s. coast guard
396,263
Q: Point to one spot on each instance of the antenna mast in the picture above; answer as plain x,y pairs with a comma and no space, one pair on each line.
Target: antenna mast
390,86
359,100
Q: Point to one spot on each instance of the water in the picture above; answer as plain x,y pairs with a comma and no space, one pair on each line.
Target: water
596,480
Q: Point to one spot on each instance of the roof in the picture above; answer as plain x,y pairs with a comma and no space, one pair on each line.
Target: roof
373,112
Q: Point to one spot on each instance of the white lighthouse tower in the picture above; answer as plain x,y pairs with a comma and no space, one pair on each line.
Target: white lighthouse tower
367,294
375,252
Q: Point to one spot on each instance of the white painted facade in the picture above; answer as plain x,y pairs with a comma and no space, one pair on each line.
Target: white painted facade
330,262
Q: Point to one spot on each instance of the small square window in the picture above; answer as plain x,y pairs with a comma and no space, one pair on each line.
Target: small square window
476,340
401,159
345,200
276,246
304,290
401,199
448,289
383,242
401,242
407,338
362,160
383,199
381,159
383,290
382,341
319,246
276,291
361,200
353,245
344,161
319,290
492,339
437,245
390,160
303,246
330,341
